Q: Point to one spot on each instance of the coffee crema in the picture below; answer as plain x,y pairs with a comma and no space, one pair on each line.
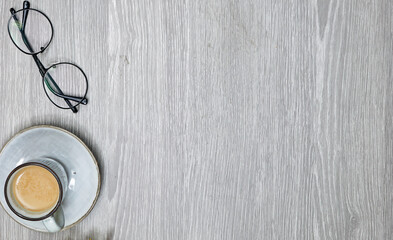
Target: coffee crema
35,189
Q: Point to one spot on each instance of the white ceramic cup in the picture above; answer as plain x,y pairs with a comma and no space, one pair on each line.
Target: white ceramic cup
53,219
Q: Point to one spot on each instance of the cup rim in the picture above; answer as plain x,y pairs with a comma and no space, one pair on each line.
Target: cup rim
58,201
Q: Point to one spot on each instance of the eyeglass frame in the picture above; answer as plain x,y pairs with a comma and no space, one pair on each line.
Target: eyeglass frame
44,71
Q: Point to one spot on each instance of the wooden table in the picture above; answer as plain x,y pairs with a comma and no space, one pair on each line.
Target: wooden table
256,119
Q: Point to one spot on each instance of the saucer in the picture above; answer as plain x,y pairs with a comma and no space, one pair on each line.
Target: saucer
67,149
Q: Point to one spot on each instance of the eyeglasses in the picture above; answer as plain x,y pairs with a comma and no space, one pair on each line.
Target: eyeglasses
65,83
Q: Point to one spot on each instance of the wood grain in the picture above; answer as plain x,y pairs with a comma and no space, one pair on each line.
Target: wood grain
221,119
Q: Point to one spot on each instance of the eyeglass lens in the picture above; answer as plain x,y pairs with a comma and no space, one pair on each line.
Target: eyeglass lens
37,31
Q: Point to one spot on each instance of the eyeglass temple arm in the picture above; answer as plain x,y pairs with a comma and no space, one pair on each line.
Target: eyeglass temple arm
26,5
41,67
58,91
24,38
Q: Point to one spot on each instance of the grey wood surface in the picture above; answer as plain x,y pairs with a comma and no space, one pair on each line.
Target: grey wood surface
255,119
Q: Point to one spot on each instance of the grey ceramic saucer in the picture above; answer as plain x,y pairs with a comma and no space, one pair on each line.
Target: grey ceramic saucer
71,152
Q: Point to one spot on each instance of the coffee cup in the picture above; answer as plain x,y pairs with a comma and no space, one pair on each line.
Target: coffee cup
34,191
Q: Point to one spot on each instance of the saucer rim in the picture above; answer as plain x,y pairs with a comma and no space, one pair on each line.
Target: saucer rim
88,150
